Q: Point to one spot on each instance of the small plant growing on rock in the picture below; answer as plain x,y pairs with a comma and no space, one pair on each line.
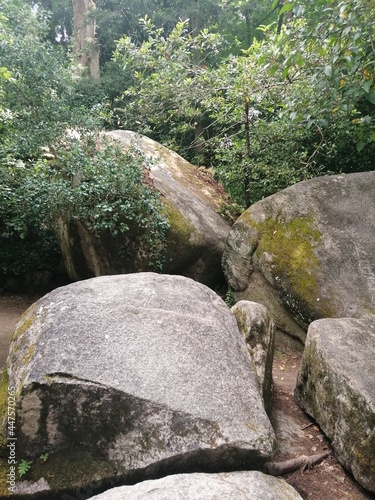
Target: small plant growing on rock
229,298
44,457
24,466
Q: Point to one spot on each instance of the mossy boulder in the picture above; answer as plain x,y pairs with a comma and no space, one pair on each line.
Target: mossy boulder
336,386
133,376
196,237
307,251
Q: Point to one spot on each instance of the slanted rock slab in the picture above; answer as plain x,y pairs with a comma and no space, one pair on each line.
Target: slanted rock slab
307,252
146,373
336,386
247,485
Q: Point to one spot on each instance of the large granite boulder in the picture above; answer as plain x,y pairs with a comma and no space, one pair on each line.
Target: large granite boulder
195,239
307,252
252,485
135,376
336,386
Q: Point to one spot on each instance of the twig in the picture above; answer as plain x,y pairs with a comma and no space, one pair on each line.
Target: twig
307,425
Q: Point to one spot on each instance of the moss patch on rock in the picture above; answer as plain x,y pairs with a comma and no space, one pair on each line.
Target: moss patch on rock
343,409
286,252
27,319
75,472
181,238
4,383
72,470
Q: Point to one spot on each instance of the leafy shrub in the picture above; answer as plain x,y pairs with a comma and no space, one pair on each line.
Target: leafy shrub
95,182
88,180
27,242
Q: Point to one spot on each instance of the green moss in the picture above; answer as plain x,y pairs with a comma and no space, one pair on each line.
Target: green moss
4,384
28,355
344,415
181,238
294,263
241,320
73,470
4,470
27,319
178,223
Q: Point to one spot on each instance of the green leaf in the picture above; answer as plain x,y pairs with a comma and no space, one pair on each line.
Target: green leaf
287,8
273,69
371,97
284,74
328,70
24,466
44,457
366,85
360,146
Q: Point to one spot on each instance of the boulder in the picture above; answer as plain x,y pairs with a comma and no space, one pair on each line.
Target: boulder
135,376
195,239
258,329
307,251
247,485
336,386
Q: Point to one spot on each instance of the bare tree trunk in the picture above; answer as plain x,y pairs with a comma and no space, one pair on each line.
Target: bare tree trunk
85,49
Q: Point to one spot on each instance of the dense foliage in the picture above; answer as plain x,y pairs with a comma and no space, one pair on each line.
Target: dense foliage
92,180
296,104
266,94
86,179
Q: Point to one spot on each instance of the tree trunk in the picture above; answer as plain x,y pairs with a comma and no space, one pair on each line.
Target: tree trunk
85,48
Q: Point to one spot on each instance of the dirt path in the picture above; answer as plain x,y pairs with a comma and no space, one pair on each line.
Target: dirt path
297,434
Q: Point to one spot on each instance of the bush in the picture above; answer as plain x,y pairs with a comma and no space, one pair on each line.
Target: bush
89,180
27,242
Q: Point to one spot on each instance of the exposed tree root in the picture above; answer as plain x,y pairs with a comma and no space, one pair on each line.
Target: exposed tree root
303,462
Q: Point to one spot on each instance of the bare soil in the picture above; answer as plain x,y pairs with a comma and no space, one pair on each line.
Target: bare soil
297,433
300,435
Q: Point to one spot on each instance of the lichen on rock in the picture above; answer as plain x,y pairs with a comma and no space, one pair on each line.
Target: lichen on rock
335,385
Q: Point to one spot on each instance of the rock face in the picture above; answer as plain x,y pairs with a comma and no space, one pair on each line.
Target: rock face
307,251
142,374
197,234
336,386
229,486
258,329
